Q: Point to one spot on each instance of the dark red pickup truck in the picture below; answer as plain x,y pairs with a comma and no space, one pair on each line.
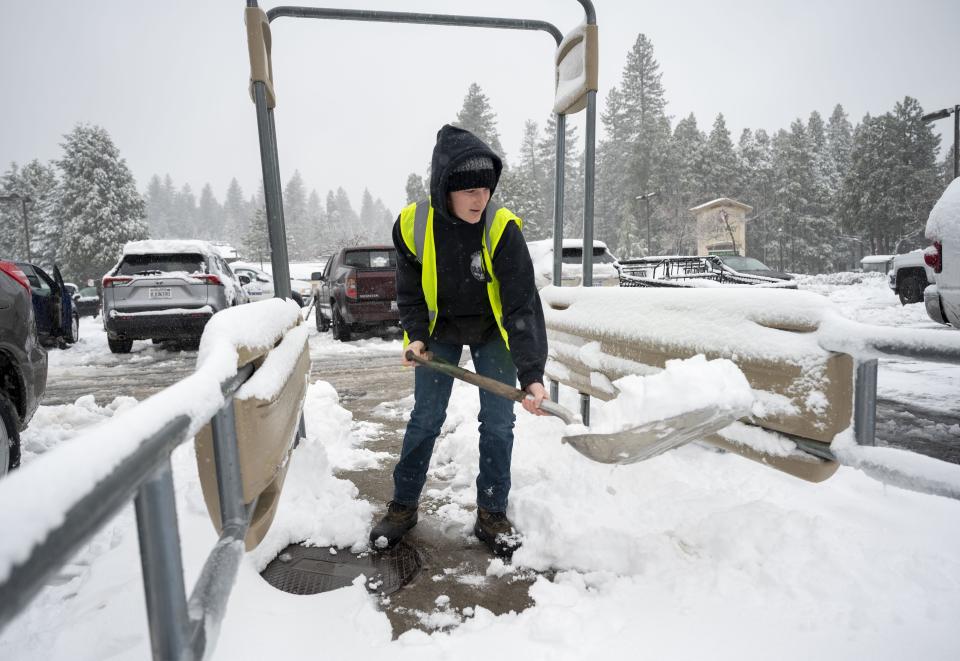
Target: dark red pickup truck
358,291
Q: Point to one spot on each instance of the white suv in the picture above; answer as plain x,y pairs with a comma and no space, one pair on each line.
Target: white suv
942,299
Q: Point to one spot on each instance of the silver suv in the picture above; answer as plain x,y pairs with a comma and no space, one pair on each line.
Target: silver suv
166,290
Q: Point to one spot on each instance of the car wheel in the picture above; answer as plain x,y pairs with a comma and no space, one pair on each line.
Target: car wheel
190,344
323,324
911,289
74,333
340,329
9,436
120,346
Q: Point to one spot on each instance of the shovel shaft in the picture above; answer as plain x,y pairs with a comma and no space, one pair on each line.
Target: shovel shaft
488,384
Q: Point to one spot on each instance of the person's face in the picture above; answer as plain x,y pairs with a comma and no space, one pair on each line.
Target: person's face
468,205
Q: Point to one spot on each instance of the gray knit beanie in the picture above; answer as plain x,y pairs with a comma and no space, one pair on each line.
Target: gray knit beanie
474,172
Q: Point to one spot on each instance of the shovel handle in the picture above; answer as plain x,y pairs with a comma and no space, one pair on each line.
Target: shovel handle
488,384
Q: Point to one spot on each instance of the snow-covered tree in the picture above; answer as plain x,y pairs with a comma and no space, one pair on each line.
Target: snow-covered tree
299,239
39,183
416,188
185,225
718,166
234,212
317,224
209,215
100,208
478,117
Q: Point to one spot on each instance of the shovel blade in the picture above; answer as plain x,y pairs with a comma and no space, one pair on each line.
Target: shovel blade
652,438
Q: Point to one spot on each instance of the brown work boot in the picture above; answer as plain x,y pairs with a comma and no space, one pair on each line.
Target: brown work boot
392,527
495,530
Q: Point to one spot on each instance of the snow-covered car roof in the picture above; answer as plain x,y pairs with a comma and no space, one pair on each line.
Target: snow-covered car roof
169,246
567,243
943,224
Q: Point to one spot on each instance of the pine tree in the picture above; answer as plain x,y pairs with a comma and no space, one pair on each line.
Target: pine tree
520,190
478,117
210,216
416,188
234,212
612,210
295,218
185,225
100,208
718,164
317,224
572,177
648,136
39,183
256,239
757,185
681,189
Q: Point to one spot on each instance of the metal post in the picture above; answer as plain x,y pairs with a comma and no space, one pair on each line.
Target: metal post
227,459
585,408
865,403
555,390
590,166
271,192
559,178
956,141
162,565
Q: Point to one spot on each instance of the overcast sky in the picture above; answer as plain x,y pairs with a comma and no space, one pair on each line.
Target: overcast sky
359,104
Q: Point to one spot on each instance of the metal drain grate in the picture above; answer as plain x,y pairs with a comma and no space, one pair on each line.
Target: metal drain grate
313,569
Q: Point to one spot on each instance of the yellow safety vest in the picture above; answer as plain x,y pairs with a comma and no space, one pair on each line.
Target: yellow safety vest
416,227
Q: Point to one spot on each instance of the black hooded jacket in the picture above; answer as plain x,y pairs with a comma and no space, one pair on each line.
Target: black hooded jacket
465,316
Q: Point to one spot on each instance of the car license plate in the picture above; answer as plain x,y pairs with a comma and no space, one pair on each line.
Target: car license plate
393,306
160,292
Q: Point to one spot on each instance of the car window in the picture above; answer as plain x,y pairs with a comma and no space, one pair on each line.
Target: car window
158,263
89,291
371,259
575,256
37,283
744,263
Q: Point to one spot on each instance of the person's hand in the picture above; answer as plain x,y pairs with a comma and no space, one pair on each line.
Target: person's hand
417,348
532,404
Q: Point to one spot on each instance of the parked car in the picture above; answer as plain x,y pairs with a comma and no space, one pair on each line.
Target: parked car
358,291
876,263
942,298
166,290
23,362
261,284
752,266
909,275
605,273
87,302
58,322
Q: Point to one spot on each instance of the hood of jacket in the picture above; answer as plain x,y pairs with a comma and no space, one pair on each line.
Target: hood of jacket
455,145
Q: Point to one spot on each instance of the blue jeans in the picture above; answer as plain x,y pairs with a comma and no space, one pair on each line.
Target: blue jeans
432,392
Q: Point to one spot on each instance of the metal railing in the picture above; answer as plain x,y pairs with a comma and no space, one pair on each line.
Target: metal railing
179,629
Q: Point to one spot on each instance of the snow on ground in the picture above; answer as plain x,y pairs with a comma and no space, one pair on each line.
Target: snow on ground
692,554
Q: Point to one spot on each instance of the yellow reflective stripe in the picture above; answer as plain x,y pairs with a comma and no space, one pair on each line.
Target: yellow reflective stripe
406,226
428,272
491,239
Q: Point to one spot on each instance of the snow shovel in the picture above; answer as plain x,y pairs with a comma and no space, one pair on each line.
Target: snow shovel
626,446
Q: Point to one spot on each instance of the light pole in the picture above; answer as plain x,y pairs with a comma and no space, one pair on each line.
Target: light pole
646,200
943,114
12,197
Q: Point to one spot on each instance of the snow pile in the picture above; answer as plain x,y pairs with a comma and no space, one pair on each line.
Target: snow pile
683,386
943,224
97,601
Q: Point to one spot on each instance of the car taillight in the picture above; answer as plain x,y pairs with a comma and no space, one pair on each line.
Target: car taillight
116,280
351,286
933,257
14,272
211,279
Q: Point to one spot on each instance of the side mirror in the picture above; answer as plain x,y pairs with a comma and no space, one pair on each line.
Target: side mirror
261,278
76,297
244,279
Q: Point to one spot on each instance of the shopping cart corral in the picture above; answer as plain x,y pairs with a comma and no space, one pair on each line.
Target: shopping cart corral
690,271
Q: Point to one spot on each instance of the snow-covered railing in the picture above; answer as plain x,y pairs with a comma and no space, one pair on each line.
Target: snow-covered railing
813,371
253,351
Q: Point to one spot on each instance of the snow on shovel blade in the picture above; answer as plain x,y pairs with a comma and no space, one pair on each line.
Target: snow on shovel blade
655,437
